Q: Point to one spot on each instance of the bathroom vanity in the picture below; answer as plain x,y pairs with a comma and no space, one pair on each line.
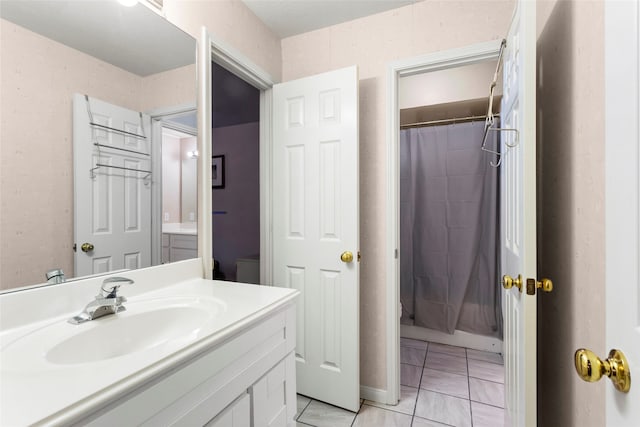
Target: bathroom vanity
179,241
186,351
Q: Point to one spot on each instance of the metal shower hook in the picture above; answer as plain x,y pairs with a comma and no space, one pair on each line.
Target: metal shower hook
490,120
497,153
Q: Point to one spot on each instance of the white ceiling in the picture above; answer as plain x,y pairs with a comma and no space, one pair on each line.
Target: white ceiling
133,38
290,17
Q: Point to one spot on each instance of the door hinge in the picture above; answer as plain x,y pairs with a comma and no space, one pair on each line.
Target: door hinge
395,253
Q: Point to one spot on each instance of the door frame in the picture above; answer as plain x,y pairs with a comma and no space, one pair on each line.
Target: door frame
622,202
157,116
232,60
453,58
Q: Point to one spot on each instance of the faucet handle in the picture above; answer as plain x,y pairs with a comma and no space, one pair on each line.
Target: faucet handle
112,290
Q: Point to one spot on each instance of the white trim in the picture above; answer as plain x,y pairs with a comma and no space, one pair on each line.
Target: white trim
156,192
205,226
178,130
622,198
168,112
458,338
235,62
238,64
266,203
431,62
373,394
157,115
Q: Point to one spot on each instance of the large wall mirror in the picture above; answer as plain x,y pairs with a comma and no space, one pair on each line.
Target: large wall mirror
126,58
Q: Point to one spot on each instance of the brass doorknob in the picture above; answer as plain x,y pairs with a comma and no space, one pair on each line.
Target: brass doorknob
591,368
346,257
86,247
545,284
509,282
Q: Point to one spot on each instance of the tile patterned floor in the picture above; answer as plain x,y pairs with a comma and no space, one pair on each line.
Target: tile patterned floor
441,385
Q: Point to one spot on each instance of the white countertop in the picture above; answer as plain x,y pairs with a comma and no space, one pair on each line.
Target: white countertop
190,228
35,391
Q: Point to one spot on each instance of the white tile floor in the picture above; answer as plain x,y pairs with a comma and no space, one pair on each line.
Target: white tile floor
441,386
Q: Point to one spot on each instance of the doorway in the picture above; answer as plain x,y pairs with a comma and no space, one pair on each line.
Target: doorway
235,177
215,52
449,256
453,104
173,223
451,319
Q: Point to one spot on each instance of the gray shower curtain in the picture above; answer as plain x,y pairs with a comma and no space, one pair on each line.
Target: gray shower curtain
449,230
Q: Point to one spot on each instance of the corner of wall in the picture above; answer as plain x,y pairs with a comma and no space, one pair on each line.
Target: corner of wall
570,207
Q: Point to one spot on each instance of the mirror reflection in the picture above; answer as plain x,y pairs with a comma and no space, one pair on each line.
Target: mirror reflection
127,58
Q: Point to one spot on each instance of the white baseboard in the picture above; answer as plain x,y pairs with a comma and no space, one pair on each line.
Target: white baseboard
374,394
459,338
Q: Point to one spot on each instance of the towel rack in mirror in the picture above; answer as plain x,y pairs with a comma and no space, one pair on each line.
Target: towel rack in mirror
102,165
93,124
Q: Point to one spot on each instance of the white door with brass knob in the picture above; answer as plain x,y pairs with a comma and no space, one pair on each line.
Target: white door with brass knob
112,203
622,196
315,228
518,217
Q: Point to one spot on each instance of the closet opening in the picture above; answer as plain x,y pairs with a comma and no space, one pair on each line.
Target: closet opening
449,207
444,294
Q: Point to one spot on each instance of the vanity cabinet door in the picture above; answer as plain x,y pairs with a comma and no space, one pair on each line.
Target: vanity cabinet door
273,396
237,414
182,247
165,248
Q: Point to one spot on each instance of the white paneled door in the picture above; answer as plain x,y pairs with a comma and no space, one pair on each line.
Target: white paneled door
622,156
112,188
518,219
315,228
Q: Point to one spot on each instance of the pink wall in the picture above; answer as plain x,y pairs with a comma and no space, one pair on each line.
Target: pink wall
571,197
171,181
236,234
372,43
233,23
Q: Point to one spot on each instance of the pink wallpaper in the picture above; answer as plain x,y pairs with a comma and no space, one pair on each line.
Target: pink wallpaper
571,198
233,23
171,180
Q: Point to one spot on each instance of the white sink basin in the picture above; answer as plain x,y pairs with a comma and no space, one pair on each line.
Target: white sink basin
157,325
118,335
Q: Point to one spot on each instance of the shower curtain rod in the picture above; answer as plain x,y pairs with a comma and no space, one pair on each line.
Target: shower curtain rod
446,121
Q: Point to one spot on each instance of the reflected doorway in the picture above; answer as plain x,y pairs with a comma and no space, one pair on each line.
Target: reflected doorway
236,181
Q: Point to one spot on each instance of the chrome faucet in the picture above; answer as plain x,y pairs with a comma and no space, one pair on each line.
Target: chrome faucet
55,276
106,302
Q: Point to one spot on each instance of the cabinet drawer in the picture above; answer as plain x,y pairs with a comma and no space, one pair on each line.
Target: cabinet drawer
184,241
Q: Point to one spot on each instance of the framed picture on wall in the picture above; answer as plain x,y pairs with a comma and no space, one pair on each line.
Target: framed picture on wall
217,172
